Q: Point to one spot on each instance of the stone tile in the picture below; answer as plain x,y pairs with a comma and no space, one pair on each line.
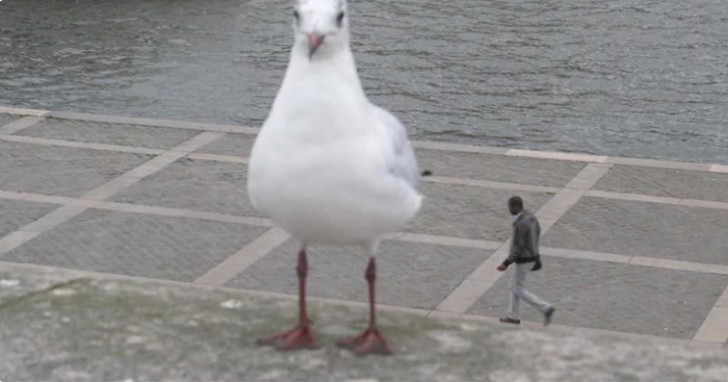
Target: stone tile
136,121
557,155
636,197
231,144
501,168
17,125
621,297
414,275
643,229
469,212
666,182
449,146
136,245
654,163
107,133
680,265
7,118
195,185
723,169
60,170
704,204
15,214
715,327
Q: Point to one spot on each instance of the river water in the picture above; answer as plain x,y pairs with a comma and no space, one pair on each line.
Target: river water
623,77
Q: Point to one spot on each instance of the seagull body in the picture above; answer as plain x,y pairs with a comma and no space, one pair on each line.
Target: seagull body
328,166
326,172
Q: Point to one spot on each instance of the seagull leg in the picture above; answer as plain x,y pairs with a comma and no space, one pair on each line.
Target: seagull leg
371,340
301,336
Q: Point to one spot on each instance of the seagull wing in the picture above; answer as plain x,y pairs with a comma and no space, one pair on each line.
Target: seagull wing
399,156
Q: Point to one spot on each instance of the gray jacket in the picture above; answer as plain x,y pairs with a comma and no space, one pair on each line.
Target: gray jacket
524,246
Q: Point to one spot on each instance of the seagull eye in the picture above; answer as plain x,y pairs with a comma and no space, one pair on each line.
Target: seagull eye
296,15
340,18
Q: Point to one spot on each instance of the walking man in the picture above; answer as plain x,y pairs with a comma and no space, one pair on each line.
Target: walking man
524,253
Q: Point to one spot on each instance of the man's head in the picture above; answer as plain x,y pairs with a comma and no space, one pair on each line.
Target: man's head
515,205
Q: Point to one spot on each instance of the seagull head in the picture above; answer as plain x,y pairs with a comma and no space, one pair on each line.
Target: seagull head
320,25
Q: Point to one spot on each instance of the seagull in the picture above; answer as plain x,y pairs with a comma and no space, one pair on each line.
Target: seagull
328,166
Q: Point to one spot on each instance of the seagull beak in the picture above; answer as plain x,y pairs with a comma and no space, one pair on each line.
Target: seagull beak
314,41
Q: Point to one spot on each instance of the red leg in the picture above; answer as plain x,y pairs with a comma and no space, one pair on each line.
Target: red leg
371,340
301,336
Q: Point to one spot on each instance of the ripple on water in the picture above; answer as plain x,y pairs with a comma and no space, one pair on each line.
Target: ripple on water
618,78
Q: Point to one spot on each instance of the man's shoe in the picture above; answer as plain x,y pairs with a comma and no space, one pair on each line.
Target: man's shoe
508,320
547,316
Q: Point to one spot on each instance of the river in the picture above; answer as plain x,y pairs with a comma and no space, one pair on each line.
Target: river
624,77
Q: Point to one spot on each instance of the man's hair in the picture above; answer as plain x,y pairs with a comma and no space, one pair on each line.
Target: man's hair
515,201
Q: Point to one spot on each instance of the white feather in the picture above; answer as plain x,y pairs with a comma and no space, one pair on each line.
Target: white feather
328,166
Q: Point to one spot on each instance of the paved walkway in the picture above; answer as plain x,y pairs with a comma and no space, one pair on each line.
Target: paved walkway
631,246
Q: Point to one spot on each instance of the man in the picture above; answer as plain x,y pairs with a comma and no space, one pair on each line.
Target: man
524,253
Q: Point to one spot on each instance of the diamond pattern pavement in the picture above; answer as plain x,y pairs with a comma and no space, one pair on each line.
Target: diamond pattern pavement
136,245
231,144
469,212
652,181
409,274
15,214
500,168
643,229
594,294
7,118
621,297
107,133
194,184
60,171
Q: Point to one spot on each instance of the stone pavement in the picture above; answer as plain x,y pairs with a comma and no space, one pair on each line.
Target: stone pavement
631,246
107,329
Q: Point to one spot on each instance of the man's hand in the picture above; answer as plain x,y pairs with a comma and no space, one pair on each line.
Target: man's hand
502,267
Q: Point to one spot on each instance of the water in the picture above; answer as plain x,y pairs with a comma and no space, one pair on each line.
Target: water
623,77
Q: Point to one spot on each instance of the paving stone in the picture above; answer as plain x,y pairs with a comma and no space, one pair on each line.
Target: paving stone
60,170
643,229
469,212
194,184
137,245
666,182
230,144
15,214
107,133
621,297
409,274
501,168
7,118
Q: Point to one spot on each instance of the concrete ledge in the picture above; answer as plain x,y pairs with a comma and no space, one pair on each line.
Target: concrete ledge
61,325
22,111
81,145
154,122
558,156
660,164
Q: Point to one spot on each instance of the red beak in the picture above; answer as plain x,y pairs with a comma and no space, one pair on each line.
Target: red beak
314,41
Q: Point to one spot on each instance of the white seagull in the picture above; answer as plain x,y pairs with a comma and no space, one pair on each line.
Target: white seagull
328,166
